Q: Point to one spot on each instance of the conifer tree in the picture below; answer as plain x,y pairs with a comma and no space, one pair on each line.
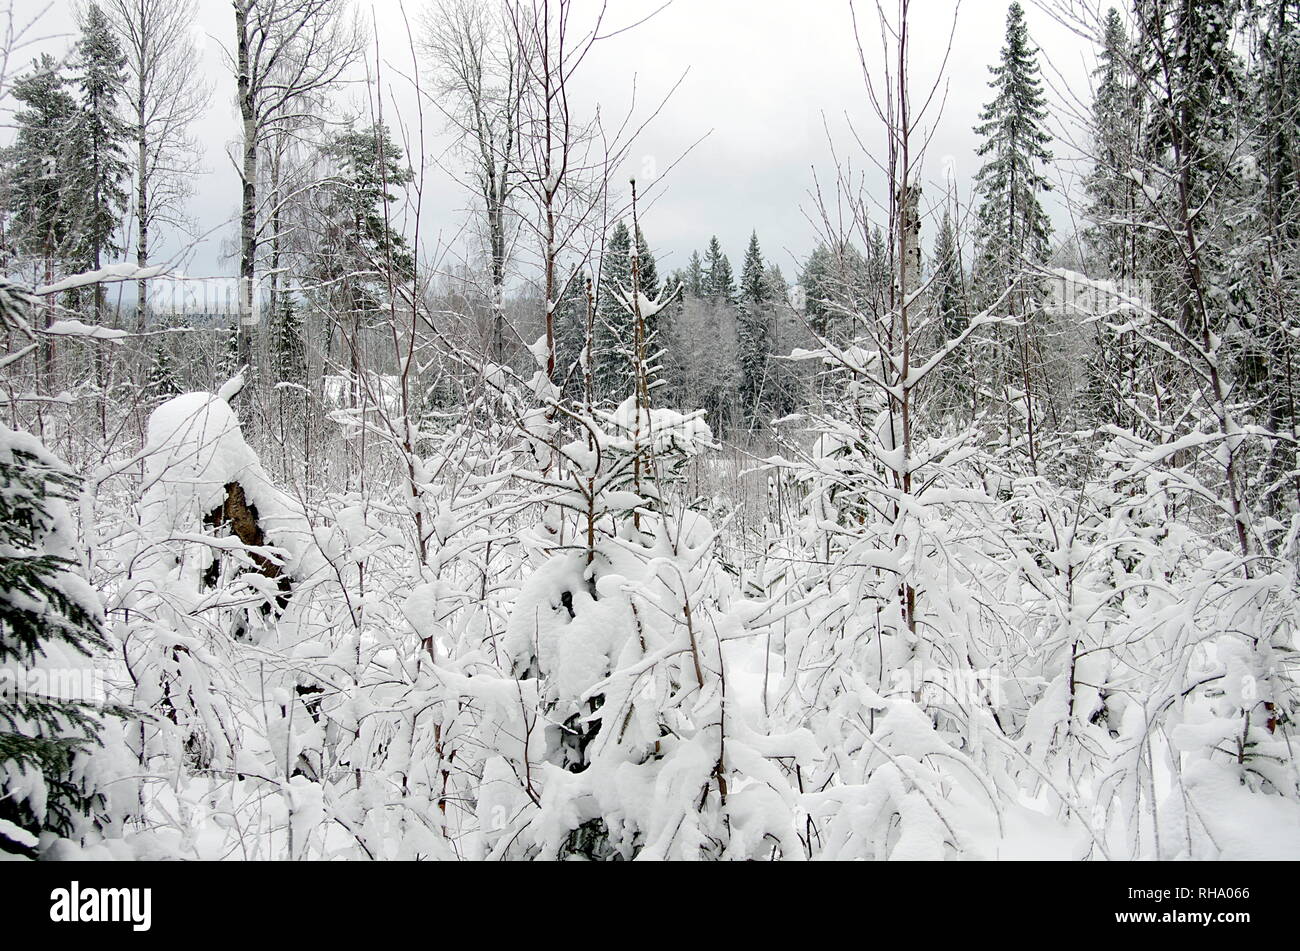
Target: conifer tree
948,292
614,331
693,279
650,286
612,346
50,625
1111,186
1114,208
99,138
1012,230
289,359
359,249
754,333
815,281
39,187
719,282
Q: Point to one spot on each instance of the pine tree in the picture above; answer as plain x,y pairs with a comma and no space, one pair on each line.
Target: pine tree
369,165
1012,230
359,250
50,623
754,333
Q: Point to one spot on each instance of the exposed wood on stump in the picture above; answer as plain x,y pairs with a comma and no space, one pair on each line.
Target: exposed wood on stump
242,519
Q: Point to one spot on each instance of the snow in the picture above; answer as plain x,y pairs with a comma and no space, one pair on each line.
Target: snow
113,273
75,328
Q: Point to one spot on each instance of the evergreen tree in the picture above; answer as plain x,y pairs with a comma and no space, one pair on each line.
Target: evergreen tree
1277,89
1196,103
99,138
39,189
948,287
612,349
948,294
879,270
289,361
1012,230
1114,208
571,340
719,283
754,333
693,279
816,281
649,269
359,251
369,164
160,379
1111,186
50,624
615,333
1013,234
1277,93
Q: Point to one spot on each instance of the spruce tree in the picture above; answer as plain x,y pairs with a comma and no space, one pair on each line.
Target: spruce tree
614,332
1114,208
39,182
1013,233
719,282
160,379
99,138
948,286
50,625
289,361
1012,230
1111,186
693,279
754,333
649,268
948,294
816,283
1277,93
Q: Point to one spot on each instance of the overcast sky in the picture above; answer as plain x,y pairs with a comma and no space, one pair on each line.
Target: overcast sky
764,79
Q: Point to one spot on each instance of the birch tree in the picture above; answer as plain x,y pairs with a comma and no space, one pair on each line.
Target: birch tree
286,51
163,98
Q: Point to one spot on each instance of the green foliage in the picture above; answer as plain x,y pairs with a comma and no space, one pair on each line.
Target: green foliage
1012,231
98,164
39,191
